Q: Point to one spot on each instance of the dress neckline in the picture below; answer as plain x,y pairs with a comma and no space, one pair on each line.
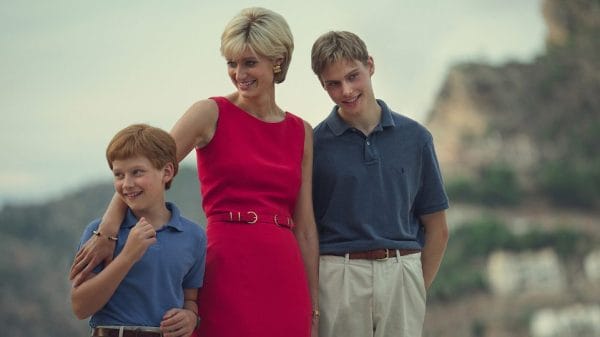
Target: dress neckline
251,116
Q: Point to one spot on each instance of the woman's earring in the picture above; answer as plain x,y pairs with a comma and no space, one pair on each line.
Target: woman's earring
276,69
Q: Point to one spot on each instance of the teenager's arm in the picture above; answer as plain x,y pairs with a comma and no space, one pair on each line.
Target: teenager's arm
306,229
91,295
436,239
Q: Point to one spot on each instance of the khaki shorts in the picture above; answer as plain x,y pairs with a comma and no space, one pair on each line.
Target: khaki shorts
361,298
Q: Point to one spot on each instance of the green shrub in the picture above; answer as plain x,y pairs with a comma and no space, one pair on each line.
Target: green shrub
499,185
567,184
495,185
469,246
462,189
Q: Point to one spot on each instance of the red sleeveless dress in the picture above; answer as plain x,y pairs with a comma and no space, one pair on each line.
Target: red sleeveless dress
250,174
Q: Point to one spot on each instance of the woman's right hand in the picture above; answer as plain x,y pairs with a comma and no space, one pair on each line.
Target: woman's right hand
96,250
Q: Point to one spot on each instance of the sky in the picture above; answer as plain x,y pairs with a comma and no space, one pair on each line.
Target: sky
73,73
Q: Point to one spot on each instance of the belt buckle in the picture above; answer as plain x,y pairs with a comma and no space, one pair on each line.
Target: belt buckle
249,220
254,215
387,256
288,224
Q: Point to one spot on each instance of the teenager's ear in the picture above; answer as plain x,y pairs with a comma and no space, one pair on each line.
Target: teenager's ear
371,65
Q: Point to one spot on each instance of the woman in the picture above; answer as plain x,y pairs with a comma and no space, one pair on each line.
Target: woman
255,171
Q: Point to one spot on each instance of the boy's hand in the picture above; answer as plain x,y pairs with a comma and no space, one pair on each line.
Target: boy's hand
141,236
178,323
94,251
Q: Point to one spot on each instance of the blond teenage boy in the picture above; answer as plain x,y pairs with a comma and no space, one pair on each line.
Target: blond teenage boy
379,202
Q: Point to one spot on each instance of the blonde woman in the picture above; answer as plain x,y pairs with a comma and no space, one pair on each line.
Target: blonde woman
255,170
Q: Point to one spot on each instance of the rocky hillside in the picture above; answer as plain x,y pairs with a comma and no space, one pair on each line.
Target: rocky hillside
532,127
518,146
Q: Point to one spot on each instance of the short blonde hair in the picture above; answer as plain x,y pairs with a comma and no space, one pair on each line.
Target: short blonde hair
335,46
147,141
264,31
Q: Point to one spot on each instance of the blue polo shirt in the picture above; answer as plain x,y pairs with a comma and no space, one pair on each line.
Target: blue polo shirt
369,191
155,283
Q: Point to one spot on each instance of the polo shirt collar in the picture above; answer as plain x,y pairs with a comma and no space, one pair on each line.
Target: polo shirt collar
338,126
174,223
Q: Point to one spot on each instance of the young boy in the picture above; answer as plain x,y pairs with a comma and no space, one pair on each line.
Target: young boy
151,285
379,202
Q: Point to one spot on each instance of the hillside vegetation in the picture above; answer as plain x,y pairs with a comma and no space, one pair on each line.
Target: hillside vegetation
518,147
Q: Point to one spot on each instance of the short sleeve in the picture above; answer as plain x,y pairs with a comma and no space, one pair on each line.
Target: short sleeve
194,278
432,196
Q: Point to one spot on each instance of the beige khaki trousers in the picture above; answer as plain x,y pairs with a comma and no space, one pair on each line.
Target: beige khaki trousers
362,298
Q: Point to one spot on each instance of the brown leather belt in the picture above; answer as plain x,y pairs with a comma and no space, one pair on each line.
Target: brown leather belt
114,332
378,254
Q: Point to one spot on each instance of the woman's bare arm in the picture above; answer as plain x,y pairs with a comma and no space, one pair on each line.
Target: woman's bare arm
306,229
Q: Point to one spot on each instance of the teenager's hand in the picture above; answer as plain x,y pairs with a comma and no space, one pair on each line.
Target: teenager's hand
178,323
141,236
96,250
314,329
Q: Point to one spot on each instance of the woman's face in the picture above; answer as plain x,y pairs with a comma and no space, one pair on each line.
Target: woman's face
251,73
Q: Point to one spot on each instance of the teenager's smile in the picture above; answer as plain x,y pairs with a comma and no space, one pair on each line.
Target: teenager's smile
351,101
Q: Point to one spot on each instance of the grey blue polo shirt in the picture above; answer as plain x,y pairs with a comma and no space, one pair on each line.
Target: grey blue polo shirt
369,191
155,283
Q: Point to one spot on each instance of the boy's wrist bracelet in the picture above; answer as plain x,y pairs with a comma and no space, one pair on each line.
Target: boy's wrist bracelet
110,238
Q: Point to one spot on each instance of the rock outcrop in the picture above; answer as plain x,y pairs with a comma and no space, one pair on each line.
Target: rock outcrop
539,119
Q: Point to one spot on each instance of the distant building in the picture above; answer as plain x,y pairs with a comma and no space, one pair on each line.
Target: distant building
573,321
535,272
591,265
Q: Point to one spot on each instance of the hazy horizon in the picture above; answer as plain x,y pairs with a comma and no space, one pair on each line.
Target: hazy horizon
74,73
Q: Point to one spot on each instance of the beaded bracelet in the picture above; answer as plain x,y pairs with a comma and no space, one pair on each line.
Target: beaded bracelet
111,238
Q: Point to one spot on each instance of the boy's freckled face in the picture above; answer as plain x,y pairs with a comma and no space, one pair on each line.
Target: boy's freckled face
139,183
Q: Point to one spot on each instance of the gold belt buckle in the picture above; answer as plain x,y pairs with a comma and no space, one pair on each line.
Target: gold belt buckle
387,256
254,215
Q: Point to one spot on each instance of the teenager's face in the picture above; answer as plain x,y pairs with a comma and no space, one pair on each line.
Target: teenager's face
250,73
348,83
139,183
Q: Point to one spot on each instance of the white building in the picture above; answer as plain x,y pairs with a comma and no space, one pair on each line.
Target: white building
535,272
573,321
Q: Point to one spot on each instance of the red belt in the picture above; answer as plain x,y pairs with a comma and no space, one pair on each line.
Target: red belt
252,217
378,254
114,332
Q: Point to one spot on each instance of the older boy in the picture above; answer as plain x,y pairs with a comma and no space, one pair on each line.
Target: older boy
379,202
151,286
